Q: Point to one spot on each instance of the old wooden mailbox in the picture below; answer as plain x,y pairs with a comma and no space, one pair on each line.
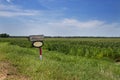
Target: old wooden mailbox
37,42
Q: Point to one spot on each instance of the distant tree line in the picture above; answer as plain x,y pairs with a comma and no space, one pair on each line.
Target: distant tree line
79,37
4,35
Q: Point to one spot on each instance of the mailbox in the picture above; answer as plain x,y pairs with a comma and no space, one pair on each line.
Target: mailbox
37,40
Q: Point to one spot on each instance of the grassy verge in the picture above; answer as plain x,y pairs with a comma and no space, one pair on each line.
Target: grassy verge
54,66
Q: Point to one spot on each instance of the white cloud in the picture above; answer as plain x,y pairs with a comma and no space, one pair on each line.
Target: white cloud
87,24
9,1
11,11
9,7
63,27
84,28
51,23
77,23
12,14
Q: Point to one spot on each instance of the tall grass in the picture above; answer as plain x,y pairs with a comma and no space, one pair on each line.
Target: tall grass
93,48
56,66
22,42
85,47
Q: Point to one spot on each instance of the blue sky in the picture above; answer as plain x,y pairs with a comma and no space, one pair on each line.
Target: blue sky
60,17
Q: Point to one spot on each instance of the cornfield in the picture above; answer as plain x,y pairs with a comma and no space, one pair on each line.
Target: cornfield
105,48
88,47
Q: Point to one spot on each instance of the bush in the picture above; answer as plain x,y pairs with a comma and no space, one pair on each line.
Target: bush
4,35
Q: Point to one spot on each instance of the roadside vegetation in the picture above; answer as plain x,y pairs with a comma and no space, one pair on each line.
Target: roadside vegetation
63,59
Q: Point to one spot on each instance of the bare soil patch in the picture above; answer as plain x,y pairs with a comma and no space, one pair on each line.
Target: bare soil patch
9,72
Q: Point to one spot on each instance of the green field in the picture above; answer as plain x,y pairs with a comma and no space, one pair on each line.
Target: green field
63,59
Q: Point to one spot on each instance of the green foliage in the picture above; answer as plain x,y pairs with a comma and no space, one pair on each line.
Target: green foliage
56,66
22,42
92,48
4,35
86,47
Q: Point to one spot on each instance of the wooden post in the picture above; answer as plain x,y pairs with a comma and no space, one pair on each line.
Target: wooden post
40,53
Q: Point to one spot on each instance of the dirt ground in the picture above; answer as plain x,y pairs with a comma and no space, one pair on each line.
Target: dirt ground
9,72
